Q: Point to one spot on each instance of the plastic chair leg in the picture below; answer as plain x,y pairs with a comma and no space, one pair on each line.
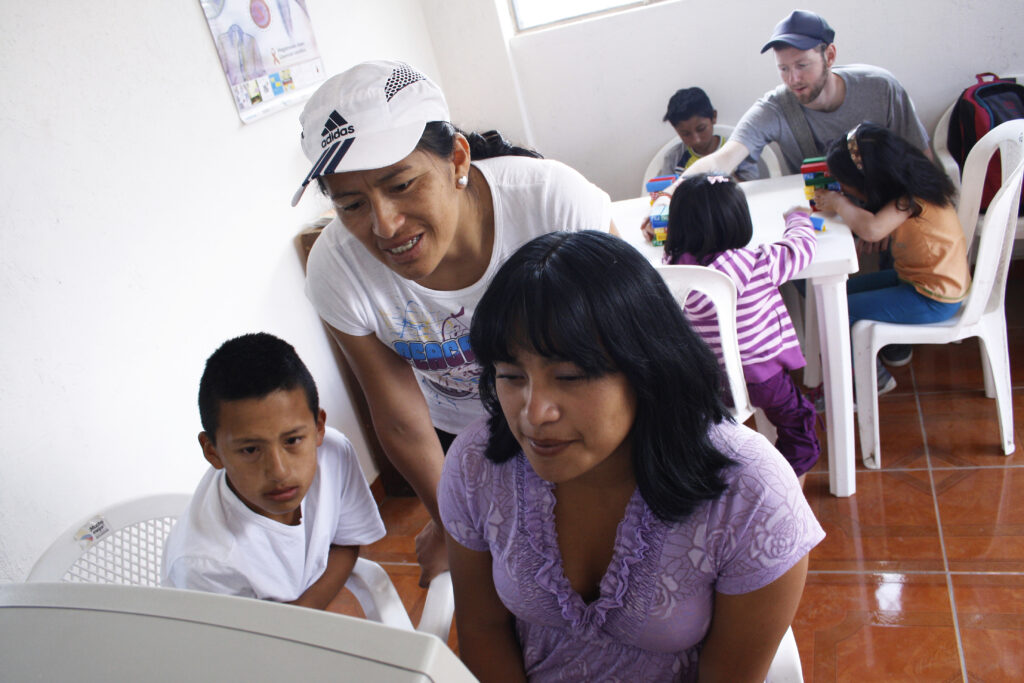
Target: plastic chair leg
865,382
439,607
377,595
996,362
812,342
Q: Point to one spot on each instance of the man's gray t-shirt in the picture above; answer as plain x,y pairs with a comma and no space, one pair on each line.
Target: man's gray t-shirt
872,94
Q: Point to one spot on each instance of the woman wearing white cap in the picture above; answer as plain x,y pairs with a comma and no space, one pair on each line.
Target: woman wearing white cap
425,216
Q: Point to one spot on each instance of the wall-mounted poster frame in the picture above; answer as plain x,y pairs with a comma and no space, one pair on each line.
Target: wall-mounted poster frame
268,52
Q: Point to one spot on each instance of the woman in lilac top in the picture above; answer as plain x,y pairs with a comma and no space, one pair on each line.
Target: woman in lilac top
609,522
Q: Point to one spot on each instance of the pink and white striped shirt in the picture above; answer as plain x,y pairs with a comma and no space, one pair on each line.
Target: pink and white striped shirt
768,342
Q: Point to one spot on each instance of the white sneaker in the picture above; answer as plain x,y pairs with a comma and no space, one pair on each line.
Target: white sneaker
886,382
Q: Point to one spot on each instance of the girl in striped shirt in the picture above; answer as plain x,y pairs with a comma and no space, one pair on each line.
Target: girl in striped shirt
709,225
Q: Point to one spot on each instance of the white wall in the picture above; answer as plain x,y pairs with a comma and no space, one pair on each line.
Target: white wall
142,225
472,50
595,91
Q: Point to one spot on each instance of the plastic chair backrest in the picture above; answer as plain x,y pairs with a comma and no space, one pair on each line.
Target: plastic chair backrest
769,157
941,149
721,291
988,284
123,544
1006,138
659,157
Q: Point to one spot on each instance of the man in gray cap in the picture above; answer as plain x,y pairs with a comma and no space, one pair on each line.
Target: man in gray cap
816,103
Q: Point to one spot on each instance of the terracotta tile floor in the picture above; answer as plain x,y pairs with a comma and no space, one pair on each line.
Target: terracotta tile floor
921,576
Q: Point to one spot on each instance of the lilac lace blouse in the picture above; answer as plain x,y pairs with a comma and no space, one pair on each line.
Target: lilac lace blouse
656,598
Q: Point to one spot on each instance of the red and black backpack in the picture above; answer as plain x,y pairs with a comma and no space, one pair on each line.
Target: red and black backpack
980,108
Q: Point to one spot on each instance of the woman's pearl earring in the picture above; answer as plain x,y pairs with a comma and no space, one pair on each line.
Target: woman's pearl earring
462,181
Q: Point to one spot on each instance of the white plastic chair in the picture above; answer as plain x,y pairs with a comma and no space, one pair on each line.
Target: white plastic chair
124,544
722,293
969,201
768,156
786,666
982,314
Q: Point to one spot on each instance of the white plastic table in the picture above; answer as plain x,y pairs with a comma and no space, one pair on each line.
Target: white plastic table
834,259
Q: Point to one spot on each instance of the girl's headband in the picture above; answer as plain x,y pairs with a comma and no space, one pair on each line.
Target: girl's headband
853,149
713,179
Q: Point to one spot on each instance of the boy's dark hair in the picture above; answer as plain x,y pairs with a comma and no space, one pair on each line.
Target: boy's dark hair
251,366
546,298
686,104
708,214
893,170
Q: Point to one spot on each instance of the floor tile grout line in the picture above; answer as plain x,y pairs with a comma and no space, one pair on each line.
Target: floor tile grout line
939,468
938,522
916,572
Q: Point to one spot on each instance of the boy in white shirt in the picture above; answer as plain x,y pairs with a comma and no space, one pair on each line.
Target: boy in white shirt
282,512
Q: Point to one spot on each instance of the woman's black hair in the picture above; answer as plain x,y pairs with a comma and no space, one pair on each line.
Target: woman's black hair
708,214
439,139
893,170
592,299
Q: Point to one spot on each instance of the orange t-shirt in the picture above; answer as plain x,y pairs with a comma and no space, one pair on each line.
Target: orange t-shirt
929,251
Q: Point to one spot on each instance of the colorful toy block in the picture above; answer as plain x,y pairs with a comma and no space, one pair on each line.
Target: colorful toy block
815,173
660,183
659,223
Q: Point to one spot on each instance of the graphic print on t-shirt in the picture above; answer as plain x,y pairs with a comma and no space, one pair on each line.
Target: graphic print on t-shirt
436,344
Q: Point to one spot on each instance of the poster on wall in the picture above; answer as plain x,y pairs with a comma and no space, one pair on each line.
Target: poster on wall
268,52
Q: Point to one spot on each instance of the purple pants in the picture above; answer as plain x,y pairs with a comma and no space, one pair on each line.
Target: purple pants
793,416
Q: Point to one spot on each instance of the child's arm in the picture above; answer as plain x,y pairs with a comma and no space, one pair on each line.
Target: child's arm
795,250
340,560
487,639
870,227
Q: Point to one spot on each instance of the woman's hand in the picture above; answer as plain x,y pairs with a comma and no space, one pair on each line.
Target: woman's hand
431,553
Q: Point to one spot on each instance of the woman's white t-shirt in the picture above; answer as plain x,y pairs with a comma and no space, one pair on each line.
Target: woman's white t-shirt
358,295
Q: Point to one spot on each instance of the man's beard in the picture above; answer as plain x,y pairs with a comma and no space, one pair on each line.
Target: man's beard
815,89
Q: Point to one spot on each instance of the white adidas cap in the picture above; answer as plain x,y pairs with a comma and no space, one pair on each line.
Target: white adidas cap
370,116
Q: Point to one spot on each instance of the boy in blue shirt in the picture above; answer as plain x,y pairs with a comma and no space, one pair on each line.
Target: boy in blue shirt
282,511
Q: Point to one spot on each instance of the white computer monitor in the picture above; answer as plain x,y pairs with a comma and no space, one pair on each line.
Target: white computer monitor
91,632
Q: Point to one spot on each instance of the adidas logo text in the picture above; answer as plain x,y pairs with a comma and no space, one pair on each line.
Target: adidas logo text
337,134
335,127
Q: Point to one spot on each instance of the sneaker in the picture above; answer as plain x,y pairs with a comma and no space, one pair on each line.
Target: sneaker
886,382
816,396
896,355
